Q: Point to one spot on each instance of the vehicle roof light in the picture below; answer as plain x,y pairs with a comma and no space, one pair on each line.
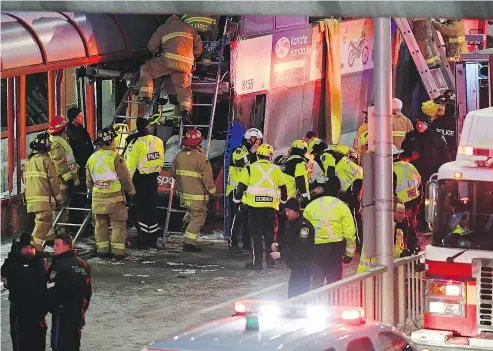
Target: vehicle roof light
458,175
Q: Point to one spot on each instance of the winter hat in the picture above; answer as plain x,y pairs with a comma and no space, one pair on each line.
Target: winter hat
396,104
292,204
24,240
72,113
142,124
423,118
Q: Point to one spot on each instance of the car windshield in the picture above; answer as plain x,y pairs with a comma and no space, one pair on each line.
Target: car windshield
464,215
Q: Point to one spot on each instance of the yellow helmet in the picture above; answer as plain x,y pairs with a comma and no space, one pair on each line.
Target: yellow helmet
265,150
431,109
342,149
299,144
312,143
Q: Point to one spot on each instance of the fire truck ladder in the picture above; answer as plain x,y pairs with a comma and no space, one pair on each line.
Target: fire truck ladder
81,226
212,106
435,80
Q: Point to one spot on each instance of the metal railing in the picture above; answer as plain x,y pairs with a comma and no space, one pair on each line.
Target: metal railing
364,290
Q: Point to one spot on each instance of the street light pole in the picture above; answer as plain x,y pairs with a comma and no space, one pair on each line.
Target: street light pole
382,87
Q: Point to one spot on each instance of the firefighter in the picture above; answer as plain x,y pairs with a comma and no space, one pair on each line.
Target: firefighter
24,275
69,293
399,250
407,185
423,32
262,187
42,193
204,25
66,168
296,248
400,123
193,175
176,44
454,36
335,234
145,158
107,178
241,157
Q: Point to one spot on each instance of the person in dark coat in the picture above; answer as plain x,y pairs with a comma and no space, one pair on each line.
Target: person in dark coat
447,124
79,139
69,294
24,275
295,248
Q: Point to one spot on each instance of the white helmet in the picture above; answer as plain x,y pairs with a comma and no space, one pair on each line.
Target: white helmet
253,132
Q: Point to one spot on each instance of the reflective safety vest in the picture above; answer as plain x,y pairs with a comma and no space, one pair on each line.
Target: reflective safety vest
368,263
333,222
408,181
346,170
146,155
101,165
200,23
239,155
71,170
263,180
294,167
458,230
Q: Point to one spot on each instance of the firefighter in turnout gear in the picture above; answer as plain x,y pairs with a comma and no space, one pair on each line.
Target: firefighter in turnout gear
262,187
145,158
42,193
204,25
400,123
107,178
177,44
399,248
423,32
193,175
66,168
454,36
407,185
242,156
335,234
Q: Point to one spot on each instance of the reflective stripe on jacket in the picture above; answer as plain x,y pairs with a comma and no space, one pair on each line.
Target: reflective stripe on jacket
146,155
453,33
62,155
333,222
408,181
296,168
240,158
200,23
41,183
400,126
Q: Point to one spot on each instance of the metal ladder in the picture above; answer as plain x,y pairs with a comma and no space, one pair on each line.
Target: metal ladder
435,80
81,226
212,105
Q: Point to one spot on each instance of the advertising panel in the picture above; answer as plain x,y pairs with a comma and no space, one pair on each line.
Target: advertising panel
356,45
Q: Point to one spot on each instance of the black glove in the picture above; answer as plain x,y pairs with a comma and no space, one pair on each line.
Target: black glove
304,202
70,187
347,259
130,200
241,207
405,253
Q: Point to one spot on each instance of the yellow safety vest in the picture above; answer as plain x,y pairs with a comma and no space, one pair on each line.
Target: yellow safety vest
200,23
333,222
69,156
346,170
458,230
263,180
239,153
294,167
408,181
101,165
146,155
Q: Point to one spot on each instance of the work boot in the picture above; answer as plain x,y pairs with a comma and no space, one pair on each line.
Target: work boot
186,117
235,250
253,266
104,255
120,257
191,248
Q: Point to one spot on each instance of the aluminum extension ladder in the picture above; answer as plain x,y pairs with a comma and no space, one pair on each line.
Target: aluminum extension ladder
82,225
212,106
436,80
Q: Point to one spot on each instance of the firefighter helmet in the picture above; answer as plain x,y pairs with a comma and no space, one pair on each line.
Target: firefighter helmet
57,125
265,150
193,138
41,143
299,144
105,136
312,144
253,132
431,109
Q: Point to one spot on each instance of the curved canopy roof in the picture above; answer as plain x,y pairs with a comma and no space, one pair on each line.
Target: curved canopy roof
37,41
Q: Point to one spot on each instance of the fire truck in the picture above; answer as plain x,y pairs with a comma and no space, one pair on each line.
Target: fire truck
459,260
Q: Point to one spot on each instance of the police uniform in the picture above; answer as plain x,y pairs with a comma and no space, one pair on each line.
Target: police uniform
145,159
335,237
407,184
107,178
262,188
69,293
192,172
42,189
66,168
240,158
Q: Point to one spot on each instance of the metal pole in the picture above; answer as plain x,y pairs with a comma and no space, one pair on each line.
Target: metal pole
382,87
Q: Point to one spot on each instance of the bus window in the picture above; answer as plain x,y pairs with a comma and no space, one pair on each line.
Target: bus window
36,99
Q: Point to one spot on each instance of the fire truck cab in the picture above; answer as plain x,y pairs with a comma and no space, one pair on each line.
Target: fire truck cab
459,261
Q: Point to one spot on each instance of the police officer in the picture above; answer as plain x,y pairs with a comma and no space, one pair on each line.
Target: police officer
42,192
69,294
24,274
259,188
107,178
241,157
407,185
296,248
366,263
177,44
193,175
66,168
442,112
454,36
145,158
335,234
